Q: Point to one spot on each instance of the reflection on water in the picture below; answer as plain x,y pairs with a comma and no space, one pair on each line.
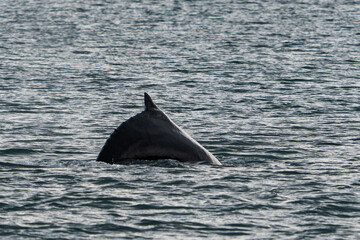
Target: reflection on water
271,88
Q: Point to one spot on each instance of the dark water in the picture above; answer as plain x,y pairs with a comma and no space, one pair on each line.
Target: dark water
271,88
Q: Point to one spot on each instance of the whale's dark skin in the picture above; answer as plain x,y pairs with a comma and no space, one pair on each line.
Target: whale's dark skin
152,135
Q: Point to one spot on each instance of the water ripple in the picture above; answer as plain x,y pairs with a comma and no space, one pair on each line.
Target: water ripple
270,87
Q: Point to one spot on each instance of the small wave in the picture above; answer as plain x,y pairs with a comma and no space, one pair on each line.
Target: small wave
17,151
17,165
169,163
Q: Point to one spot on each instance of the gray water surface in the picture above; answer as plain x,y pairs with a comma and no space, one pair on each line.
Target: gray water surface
271,88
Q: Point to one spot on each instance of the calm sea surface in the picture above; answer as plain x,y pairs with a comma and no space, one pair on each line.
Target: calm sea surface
271,88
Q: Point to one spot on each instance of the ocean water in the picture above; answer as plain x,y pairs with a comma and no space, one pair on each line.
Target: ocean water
271,88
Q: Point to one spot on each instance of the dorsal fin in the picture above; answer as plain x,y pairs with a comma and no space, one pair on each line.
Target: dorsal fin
149,104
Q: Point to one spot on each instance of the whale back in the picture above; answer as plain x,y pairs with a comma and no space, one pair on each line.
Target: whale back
149,135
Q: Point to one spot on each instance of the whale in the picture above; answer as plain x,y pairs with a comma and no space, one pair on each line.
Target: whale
152,135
